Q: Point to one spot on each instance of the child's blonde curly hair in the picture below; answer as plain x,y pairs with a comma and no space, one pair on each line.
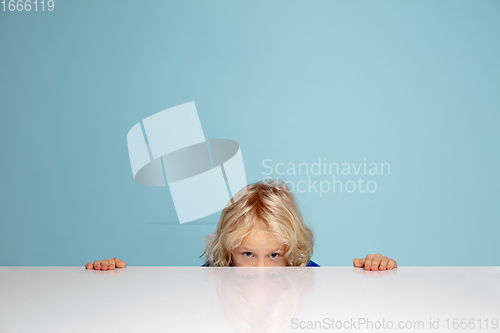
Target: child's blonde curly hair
270,203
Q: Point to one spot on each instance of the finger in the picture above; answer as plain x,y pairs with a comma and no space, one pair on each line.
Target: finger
368,262
391,264
104,264
89,266
383,263
97,265
376,262
358,262
119,263
111,264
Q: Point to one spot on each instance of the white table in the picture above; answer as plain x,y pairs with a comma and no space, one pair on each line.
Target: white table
198,299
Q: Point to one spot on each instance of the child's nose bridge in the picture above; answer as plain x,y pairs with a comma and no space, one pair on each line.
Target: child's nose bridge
261,262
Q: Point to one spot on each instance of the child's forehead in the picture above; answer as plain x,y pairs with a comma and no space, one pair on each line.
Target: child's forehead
260,234
258,231
261,238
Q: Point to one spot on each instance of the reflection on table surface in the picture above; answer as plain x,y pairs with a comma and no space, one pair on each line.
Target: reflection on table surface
237,299
261,300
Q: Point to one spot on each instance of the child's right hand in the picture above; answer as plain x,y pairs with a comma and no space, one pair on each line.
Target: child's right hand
104,264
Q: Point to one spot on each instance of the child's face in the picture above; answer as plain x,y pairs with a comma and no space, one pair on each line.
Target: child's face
259,248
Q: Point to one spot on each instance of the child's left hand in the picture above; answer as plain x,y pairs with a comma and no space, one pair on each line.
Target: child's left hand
375,262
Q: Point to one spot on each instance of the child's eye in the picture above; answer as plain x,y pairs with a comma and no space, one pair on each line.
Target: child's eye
274,255
248,254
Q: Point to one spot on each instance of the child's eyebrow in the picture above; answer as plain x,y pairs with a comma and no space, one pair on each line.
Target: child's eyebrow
245,248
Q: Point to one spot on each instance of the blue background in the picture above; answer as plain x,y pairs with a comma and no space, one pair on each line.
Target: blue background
411,83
